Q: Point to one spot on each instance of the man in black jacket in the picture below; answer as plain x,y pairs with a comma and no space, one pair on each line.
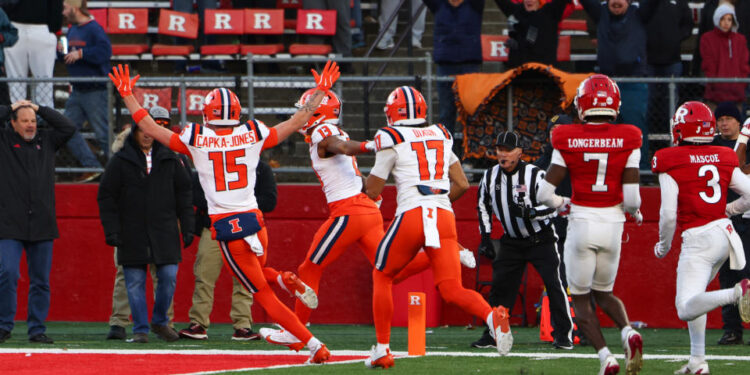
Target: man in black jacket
145,189
27,209
532,30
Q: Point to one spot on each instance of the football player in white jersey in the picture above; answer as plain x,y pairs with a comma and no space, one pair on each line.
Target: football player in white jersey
225,153
428,178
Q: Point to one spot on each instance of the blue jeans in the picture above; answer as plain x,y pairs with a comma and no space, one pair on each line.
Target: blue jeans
39,263
634,99
135,282
446,98
91,106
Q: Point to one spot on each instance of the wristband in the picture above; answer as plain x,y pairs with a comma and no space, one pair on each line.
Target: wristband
742,139
363,147
139,115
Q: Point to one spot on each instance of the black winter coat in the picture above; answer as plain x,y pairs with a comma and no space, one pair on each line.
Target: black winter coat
143,209
533,35
27,177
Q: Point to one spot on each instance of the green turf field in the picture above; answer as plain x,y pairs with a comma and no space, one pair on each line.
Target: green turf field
529,355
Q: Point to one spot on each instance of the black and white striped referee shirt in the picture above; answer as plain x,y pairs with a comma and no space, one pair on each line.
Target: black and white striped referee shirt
507,195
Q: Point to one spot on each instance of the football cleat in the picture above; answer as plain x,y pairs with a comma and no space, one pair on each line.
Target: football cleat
609,366
296,288
699,368
281,337
633,346
379,358
743,302
500,330
319,355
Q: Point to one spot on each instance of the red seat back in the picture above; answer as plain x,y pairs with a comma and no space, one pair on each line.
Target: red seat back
316,22
127,21
184,25
100,16
224,21
264,21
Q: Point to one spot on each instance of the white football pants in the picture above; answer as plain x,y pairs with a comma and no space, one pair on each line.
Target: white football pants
36,49
592,255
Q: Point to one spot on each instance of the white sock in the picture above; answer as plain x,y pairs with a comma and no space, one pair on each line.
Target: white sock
697,329
603,354
702,303
382,347
624,332
313,344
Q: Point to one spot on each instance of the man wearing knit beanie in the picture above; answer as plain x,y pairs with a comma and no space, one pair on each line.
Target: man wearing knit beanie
728,120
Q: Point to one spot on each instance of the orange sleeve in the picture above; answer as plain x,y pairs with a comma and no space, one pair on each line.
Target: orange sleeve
271,140
176,145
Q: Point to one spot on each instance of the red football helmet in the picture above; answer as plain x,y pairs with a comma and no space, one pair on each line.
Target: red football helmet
693,122
597,96
222,107
328,111
405,106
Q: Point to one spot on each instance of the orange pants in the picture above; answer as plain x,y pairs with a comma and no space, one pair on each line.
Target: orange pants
249,269
402,241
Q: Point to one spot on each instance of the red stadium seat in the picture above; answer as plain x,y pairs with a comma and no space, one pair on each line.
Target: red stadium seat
171,50
100,16
494,49
127,21
222,22
179,24
263,22
261,49
314,22
577,25
129,49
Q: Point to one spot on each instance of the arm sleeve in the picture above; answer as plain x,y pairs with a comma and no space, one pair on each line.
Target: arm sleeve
740,184
384,161
557,158
108,196
484,204
546,195
593,8
101,51
265,187
631,197
542,212
63,127
634,159
176,145
184,198
668,211
271,140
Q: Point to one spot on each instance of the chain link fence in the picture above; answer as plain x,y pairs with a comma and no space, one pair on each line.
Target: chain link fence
270,98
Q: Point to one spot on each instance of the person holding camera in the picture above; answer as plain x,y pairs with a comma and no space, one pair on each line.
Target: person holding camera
508,190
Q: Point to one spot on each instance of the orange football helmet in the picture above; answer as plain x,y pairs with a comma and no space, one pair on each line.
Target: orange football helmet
328,111
405,106
222,107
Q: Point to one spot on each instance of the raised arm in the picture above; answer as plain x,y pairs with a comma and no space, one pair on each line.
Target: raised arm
324,80
335,145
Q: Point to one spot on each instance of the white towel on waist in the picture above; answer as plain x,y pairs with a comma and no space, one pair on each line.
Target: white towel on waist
255,244
429,222
736,251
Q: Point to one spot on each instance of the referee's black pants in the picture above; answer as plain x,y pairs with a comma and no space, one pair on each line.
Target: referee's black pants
507,273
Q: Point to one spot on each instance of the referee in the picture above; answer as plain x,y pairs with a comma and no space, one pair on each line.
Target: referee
508,190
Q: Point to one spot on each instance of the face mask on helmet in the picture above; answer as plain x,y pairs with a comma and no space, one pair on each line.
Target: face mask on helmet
405,106
221,108
597,95
328,111
693,122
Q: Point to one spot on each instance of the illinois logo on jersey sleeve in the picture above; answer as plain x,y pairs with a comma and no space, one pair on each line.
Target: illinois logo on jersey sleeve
324,131
387,138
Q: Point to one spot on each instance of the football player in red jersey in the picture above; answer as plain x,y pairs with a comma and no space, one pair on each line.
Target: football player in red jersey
225,152
602,159
694,178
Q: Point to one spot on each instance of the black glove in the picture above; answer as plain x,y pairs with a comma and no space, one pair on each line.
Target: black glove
187,239
113,239
486,248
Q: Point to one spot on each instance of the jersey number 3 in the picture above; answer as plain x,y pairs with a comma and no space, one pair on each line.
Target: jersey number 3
712,182
228,160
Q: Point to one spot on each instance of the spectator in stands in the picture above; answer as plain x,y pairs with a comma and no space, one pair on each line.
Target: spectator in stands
457,48
342,41
706,24
120,317
145,189
27,217
671,23
186,6
37,22
621,52
88,55
387,8
8,37
724,53
208,265
532,30
358,36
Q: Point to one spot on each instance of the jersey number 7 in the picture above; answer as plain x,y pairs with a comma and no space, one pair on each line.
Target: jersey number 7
228,160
